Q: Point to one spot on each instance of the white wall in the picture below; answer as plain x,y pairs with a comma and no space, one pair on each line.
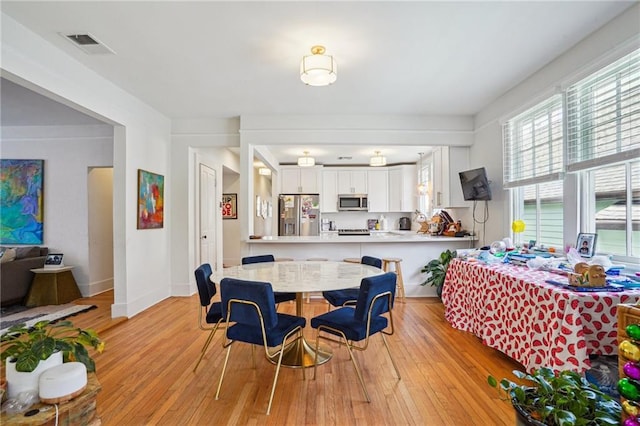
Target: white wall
612,41
68,153
142,259
193,141
262,188
100,221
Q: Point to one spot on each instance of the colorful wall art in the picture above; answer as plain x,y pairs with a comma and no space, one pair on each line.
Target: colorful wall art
21,204
150,200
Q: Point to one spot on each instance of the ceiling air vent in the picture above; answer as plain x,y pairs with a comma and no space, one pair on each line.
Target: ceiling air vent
88,43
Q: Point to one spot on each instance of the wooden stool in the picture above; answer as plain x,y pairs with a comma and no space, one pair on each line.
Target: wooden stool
320,259
351,260
386,261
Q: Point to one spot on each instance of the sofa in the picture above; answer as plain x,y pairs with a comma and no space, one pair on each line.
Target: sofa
15,271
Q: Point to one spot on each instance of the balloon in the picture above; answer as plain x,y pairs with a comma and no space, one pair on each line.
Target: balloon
517,226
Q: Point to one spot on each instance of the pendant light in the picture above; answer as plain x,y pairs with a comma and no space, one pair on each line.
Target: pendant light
318,69
306,161
378,160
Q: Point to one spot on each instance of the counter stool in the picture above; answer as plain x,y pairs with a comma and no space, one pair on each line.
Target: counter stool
351,260
321,259
386,261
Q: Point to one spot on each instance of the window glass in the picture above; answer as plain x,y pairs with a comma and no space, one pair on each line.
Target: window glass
616,220
542,214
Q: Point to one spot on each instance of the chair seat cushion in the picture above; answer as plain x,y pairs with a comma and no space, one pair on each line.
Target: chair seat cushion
283,297
215,313
340,297
275,335
343,319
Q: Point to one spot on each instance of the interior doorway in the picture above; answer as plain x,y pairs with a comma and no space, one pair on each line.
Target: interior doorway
100,229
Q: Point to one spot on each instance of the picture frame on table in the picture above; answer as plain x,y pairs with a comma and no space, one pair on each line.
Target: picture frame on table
54,260
586,244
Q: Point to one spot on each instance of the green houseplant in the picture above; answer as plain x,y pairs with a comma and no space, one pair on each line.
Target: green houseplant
561,399
29,345
436,270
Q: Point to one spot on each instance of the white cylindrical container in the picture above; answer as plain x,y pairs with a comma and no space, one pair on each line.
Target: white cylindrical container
19,381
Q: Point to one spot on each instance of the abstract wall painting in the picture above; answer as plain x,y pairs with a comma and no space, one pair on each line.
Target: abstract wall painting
150,200
21,201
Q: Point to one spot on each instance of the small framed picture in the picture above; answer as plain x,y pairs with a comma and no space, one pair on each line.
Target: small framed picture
229,206
586,244
54,260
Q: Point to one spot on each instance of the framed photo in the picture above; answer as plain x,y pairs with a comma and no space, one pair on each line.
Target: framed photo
586,244
150,200
54,260
229,206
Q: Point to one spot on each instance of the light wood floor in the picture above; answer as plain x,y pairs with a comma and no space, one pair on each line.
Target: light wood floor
146,374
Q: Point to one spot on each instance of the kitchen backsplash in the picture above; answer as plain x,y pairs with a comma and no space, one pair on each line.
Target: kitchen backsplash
358,220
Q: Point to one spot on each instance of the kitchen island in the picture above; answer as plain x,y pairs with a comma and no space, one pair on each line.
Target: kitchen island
415,250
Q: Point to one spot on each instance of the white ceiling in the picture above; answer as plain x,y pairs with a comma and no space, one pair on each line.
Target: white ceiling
226,59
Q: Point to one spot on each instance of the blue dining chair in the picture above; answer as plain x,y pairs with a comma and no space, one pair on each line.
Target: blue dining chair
356,324
250,306
209,313
279,296
349,296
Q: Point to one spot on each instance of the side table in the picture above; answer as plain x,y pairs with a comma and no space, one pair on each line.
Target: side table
80,411
52,286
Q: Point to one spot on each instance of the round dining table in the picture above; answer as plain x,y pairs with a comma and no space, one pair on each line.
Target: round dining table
301,277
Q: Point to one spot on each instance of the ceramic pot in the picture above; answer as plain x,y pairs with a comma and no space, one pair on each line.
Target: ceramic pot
19,381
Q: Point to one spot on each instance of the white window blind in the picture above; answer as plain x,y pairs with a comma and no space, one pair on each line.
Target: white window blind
533,145
603,116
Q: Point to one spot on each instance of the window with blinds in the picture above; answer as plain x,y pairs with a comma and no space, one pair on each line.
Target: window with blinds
603,116
533,145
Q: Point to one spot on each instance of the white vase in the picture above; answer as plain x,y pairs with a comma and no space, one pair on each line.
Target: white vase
18,381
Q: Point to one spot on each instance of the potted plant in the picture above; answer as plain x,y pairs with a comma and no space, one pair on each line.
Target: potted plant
28,351
564,398
436,270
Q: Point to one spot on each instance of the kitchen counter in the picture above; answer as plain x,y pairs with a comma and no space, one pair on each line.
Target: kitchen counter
415,250
374,237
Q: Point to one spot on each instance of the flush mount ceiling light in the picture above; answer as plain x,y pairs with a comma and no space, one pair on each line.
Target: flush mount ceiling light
318,69
306,161
378,160
264,171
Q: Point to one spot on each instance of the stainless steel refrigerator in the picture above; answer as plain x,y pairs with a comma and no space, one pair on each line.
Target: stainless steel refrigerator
299,214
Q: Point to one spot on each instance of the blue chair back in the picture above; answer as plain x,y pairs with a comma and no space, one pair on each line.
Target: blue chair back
370,287
261,293
206,289
258,259
371,261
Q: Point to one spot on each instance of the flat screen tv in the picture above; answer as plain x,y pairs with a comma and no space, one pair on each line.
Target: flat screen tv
475,185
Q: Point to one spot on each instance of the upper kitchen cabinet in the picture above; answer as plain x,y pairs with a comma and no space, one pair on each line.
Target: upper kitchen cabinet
329,192
378,195
352,182
448,161
300,180
403,181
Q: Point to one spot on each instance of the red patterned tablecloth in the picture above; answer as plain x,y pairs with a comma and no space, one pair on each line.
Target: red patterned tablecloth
512,309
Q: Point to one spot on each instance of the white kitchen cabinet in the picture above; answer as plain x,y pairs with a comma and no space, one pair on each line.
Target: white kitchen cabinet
448,161
352,182
329,192
403,182
300,180
378,184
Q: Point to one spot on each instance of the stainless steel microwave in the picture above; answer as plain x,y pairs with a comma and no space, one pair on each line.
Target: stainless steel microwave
353,202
